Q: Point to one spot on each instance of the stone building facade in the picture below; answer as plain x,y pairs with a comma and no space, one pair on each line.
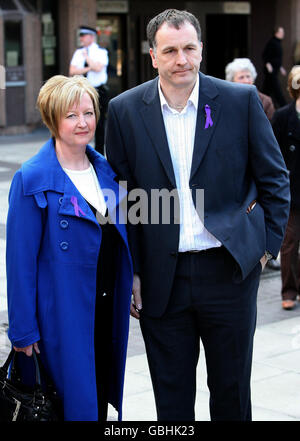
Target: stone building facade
48,37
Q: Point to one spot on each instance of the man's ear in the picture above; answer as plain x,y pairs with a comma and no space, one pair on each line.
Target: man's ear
152,55
201,49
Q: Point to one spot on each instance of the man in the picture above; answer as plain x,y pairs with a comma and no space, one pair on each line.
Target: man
186,131
91,61
272,57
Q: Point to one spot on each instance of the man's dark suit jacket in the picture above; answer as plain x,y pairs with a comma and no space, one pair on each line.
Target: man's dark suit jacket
236,161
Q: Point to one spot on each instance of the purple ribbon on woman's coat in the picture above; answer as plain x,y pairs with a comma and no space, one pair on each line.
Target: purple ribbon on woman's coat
77,209
209,121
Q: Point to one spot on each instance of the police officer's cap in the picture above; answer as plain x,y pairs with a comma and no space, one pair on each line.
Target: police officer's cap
86,30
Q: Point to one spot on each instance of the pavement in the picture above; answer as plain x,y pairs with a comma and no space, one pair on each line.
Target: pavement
276,359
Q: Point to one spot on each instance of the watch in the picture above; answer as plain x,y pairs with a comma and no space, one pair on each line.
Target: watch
268,255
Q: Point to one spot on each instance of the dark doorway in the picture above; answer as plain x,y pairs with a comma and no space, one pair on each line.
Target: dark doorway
112,36
50,37
226,38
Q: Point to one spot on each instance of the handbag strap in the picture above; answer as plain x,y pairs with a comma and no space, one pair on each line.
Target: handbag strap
11,358
8,361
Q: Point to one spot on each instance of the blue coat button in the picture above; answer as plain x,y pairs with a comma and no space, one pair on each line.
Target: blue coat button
60,200
64,224
64,246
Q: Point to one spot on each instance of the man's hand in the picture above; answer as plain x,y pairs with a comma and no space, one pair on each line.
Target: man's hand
283,71
263,261
136,304
73,70
92,65
269,67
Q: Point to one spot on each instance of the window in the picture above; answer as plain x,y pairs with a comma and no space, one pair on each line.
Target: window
7,5
13,43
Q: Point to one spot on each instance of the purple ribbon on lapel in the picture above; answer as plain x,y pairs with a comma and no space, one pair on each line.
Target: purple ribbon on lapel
209,121
77,209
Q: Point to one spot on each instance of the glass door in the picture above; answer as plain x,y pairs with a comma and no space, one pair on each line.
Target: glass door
111,36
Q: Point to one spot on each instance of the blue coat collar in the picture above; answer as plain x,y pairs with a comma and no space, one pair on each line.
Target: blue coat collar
43,172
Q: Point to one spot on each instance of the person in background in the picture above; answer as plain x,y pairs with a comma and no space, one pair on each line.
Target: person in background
286,126
91,61
69,271
197,274
242,70
272,58
297,53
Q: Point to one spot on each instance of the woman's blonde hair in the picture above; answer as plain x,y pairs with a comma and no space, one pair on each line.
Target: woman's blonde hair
294,82
59,94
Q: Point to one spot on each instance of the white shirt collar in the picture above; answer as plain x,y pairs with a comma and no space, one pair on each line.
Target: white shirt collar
90,46
193,98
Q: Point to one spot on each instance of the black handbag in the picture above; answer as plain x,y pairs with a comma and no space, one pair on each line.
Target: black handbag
19,402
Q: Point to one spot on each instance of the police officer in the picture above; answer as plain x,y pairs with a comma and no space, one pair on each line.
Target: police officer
91,61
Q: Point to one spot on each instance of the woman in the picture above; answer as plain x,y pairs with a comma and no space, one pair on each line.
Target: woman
241,70
69,277
286,126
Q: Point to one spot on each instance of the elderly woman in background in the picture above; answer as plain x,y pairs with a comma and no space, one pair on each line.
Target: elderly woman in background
286,126
69,271
241,70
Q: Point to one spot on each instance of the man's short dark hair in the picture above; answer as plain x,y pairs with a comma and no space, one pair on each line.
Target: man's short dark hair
174,18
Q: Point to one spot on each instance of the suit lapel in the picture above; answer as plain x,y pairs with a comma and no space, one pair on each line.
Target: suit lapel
154,124
207,91
74,204
113,194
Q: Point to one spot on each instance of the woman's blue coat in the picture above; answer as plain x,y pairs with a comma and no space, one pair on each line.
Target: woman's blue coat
52,256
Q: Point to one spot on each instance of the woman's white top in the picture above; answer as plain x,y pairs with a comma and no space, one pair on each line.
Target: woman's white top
87,184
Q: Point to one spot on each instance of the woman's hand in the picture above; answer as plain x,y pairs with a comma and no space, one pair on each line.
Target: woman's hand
28,349
136,305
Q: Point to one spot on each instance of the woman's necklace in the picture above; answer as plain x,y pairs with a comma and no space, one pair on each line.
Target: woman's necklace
65,163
